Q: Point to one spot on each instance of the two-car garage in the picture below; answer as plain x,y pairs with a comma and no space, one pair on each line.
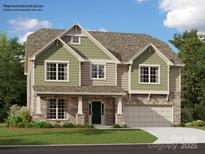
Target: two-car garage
148,116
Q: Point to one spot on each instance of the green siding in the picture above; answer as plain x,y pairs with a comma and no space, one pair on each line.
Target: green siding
149,57
87,49
57,53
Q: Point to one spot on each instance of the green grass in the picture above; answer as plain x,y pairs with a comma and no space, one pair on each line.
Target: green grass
37,136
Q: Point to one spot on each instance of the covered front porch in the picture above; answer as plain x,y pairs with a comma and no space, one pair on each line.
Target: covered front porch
84,108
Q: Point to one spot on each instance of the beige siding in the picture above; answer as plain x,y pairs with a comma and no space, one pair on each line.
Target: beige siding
122,76
110,75
174,79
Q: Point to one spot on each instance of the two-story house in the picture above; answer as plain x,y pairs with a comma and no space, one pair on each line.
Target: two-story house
102,78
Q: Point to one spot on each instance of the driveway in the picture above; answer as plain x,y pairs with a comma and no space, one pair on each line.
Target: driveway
176,134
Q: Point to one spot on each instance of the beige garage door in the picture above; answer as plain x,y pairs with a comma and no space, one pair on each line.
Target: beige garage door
148,116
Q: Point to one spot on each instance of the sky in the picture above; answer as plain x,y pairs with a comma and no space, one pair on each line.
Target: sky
158,18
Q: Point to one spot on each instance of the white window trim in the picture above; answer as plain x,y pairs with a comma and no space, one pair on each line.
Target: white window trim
66,112
105,71
149,65
56,62
75,42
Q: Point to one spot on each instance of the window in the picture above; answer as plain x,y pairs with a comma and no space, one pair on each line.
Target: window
149,74
57,71
75,40
97,71
56,109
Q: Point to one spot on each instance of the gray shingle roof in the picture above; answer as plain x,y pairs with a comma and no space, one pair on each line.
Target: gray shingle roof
122,45
105,90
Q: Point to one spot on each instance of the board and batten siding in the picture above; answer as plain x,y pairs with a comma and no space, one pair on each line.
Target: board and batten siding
122,76
87,49
87,81
58,53
174,79
149,57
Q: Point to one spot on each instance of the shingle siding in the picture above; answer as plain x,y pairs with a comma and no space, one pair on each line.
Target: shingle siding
110,75
86,48
57,53
149,57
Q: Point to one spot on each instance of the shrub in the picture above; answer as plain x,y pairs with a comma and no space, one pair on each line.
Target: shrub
84,126
198,123
116,126
180,125
57,125
41,124
21,124
18,115
68,125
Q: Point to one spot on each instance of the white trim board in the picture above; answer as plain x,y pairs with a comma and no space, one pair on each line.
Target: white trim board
80,93
148,92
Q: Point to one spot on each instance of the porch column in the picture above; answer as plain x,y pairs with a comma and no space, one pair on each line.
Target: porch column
119,105
80,105
80,117
119,116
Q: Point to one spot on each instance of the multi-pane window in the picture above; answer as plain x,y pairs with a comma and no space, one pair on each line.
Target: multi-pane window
56,109
149,74
144,74
97,71
75,39
56,71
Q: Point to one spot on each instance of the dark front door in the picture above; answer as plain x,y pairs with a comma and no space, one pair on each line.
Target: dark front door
96,112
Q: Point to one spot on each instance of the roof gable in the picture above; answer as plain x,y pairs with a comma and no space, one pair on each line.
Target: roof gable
160,54
122,45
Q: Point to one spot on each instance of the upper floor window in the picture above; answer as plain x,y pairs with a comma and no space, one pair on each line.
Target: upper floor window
97,71
75,40
149,74
56,71
56,109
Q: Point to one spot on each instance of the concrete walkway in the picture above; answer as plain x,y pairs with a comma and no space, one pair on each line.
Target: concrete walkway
176,134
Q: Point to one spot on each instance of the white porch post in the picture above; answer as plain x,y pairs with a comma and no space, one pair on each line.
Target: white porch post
119,106
80,117
80,105
119,116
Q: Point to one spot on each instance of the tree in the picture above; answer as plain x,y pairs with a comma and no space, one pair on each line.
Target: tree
190,49
12,79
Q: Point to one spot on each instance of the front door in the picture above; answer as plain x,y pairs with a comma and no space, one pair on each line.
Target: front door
96,112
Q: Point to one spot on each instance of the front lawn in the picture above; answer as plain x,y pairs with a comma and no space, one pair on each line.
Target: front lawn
26,136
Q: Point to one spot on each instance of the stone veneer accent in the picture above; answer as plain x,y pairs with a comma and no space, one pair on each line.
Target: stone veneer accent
120,119
72,107
80,119
110,105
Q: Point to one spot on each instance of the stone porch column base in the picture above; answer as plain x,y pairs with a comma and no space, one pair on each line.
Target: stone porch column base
80,119
120,119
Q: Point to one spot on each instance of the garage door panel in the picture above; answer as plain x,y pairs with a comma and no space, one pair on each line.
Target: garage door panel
148,116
